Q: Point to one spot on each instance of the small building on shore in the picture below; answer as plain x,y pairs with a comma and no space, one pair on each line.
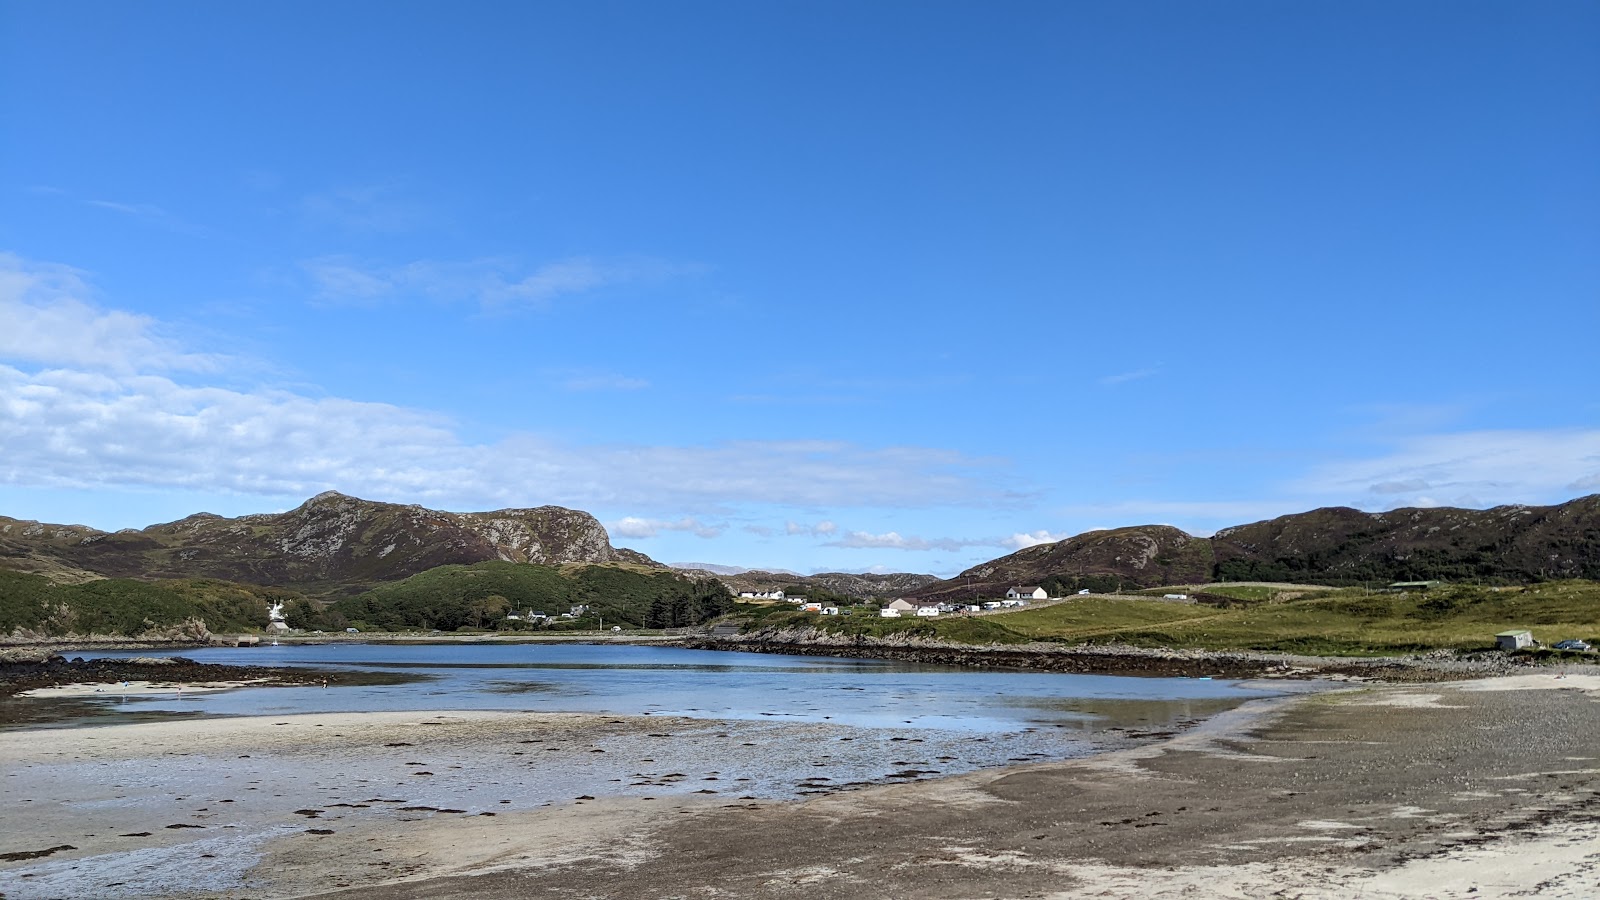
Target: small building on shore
1514,640
1027,592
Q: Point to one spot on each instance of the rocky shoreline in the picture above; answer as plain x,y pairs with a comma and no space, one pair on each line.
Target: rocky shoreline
1122,660
44,669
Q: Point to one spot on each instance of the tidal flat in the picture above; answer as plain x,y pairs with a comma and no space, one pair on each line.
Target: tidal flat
1466,789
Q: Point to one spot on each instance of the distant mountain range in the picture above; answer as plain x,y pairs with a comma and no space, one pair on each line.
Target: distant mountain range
1334,545
335,545
716,569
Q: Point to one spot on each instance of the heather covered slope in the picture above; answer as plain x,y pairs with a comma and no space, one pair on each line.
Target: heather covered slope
332,543
1335,545
1517,544
1143,556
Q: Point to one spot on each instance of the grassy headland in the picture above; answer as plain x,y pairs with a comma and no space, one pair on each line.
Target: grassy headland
1310,620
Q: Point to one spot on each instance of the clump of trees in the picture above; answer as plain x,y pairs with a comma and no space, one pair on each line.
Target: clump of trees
482,595
124,606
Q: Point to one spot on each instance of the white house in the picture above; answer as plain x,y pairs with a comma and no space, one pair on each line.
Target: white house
927,610
1027,592
1513,640
902,605
889,612
761,595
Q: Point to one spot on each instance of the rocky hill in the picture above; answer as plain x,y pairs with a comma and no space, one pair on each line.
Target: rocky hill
332,543
1334,545
1141,556
1507,543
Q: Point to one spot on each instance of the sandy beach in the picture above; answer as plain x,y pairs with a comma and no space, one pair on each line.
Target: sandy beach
1467,789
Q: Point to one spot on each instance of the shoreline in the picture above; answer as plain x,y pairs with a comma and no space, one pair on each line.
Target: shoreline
1382,791
1085,659
1097,659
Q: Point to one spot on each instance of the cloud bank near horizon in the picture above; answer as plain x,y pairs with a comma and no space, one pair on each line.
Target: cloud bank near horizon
95,398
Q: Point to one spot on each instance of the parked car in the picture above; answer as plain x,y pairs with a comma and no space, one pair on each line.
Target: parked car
1573,645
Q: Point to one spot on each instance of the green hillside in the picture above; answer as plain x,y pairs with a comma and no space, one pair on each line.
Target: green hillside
482,594
123,606
1317,621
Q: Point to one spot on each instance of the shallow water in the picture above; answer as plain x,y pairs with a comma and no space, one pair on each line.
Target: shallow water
644,680
736,725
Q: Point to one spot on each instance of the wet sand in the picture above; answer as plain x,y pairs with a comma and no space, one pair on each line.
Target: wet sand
1467,789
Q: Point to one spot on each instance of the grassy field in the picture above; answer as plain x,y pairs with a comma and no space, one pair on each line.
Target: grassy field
1321,621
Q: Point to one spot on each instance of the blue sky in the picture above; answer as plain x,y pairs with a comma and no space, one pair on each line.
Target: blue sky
821,286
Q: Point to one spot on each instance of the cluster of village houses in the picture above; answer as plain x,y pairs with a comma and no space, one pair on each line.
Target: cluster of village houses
894,609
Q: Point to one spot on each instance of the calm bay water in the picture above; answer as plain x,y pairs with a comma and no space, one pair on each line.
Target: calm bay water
642,680
734,725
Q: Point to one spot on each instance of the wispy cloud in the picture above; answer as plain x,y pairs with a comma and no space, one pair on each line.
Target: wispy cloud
635,527
893,540
367,208
493,284
145,213
1125,377
1464,468
818,529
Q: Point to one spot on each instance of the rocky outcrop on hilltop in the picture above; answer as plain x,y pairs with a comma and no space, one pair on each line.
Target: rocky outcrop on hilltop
332,543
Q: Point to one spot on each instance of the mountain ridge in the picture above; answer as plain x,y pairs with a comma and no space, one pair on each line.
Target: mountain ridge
1516,543
330,544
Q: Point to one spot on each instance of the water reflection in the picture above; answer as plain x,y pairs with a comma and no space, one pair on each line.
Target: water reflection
642,680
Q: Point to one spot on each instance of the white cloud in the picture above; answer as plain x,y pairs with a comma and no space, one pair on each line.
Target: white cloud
91,430
48,319
1488,467
634,527
1020,541
893,540
491,283
820,529
87,403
